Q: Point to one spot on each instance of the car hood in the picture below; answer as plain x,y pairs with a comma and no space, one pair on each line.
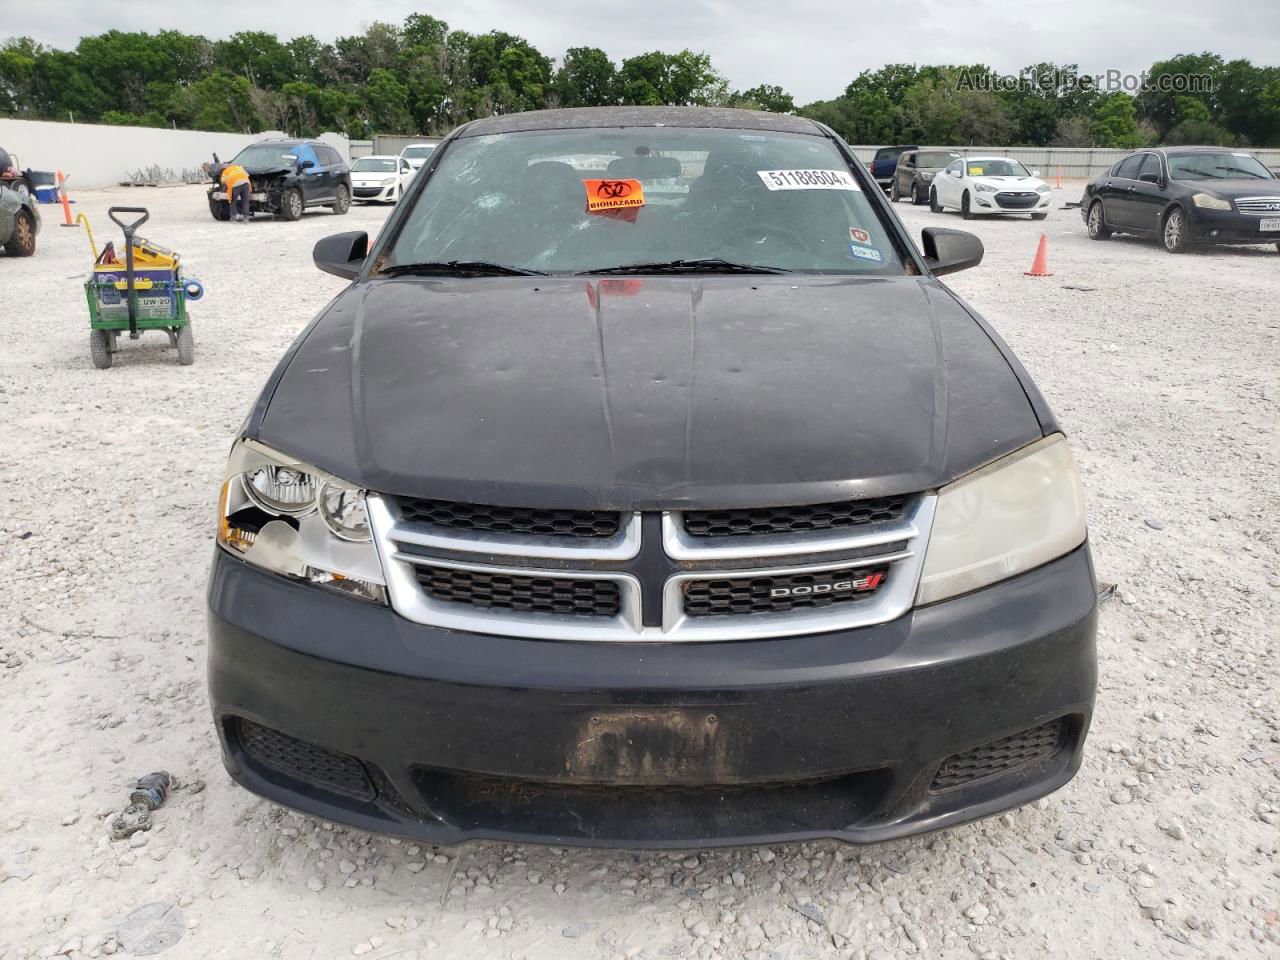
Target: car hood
646,393
371,176
1232,189
1011,183
215,170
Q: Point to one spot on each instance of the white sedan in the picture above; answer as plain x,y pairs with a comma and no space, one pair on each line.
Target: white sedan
975,185
418,153
380,179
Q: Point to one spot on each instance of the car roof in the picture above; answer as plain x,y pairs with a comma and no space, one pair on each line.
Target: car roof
379,156
587,118
1175,151
423,144
992,157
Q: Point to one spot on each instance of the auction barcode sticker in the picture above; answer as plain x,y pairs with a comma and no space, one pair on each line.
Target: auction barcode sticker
807,179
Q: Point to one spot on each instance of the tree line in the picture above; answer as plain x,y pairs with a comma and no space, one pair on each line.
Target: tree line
421,77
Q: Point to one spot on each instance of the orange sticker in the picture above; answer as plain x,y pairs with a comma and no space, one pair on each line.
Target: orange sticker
605,195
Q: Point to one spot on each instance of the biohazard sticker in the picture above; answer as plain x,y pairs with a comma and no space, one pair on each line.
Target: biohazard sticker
605,195
865,253
858,235
807,179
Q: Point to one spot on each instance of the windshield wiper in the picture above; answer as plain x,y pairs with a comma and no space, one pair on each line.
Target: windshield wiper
702,265
473,268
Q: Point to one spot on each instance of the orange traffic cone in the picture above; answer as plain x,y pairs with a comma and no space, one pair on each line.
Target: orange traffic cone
1057,181
66,205
1040,267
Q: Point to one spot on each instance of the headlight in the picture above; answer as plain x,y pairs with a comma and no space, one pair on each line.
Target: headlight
985,188
1005,519
1043,188
389,181
927,175
1210,202
288,517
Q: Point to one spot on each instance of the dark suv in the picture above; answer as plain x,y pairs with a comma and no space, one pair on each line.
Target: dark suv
915,172
647,488
886,161
286,177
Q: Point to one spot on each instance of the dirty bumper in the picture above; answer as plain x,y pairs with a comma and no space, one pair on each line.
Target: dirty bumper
951,713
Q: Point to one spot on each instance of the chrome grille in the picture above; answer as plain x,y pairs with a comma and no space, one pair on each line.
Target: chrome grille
778,571
478,588
746,595
519,520
766,520
1259,206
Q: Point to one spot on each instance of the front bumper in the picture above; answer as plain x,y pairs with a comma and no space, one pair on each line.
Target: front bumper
987,203
456,736
1227,226
373,192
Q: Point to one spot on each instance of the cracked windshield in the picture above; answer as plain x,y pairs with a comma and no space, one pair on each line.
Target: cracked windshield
593,201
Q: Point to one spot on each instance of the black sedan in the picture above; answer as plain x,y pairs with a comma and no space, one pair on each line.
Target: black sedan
646,488
1186,196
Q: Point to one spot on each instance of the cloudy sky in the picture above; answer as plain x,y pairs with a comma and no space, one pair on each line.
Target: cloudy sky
812,48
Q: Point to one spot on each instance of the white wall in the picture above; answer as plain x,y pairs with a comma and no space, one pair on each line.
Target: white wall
96,155
1074,161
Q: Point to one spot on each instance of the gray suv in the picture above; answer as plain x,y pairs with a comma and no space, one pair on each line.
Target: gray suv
915,171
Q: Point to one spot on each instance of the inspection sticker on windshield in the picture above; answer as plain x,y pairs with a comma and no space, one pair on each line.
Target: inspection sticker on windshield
807,179
865,253
858,235
613,194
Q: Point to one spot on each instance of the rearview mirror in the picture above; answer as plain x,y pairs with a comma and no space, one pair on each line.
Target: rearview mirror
949,251
342,254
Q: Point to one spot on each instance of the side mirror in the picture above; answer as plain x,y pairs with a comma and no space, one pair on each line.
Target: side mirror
1150,178
957,174
342,254
1035,173
949,251
306,164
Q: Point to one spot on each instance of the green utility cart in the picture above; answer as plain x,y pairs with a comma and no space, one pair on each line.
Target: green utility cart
146,292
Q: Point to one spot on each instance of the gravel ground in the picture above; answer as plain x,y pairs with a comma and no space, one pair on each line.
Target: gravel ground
1164,371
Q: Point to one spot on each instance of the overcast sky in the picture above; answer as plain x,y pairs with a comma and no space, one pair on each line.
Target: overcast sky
811,48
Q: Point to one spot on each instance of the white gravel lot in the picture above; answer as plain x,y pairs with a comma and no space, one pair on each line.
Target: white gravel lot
1165,371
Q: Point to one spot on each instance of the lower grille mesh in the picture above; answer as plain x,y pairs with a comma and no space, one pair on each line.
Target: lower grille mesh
476,588
746,595
1001,756
304,761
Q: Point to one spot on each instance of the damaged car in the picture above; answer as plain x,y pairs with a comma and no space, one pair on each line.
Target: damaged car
19,222
286,178
646,487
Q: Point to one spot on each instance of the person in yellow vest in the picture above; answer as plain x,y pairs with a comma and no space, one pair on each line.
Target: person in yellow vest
236,181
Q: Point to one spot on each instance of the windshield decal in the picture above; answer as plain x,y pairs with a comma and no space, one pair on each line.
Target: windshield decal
975,171
860,236
865,253
605,195
807,179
